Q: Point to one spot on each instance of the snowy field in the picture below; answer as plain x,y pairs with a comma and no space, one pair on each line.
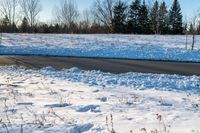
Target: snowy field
112,46
75,101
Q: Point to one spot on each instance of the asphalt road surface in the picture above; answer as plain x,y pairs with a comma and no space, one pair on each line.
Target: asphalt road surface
105,65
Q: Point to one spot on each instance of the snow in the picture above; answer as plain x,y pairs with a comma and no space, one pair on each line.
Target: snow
74,101
154,47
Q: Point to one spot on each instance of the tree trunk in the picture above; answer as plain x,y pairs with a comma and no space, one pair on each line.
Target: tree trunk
193,41
1,38
186,41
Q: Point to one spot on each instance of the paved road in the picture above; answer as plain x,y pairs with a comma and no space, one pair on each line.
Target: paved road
105,65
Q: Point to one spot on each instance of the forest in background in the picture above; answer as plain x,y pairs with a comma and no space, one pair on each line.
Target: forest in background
105,16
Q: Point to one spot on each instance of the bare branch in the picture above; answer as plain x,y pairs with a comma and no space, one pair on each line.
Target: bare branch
31,9
67,13
103,11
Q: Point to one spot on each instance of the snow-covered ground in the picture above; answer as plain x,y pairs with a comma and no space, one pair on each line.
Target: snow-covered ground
74,101
112,46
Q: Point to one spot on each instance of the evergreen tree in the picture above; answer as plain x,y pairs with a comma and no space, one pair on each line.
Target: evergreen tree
175,18
57,28
6,24
45,28
14,28
154,17
163,19
24,26
52,29
133,19
119,19
144,22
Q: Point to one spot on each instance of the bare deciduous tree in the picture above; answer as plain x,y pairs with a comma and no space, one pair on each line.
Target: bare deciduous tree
1,29
1,35
68,13
8,8
86,16
56,15
103,11
86,22
194,23
185,31
31,9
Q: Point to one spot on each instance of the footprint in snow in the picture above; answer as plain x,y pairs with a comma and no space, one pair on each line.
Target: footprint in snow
13,85
96,91
18,82
25,104
103,99
28,94
62,90
11,110
81,128
166,104
3,98
57,105
92,108
34,83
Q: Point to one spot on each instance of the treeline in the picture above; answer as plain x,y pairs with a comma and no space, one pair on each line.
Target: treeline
24,27
106,16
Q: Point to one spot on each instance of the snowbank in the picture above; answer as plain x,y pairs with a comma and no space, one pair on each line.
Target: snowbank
75,101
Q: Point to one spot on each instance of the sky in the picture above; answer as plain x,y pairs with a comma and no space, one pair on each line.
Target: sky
188,7
48,5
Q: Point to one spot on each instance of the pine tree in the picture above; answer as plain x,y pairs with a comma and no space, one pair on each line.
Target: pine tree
14,28
154,17
144,22
133,18
175,18
6,24
163,19
45,28
119,19
57,28
24,26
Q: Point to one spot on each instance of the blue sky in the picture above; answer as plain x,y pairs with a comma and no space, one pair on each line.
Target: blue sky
48,5
188,6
